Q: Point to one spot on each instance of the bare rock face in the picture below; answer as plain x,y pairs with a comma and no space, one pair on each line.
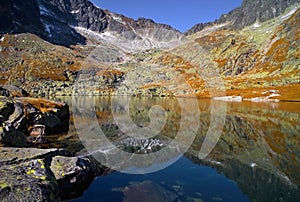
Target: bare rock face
261,10
82,13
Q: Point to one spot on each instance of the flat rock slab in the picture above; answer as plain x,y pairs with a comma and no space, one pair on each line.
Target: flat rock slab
15,155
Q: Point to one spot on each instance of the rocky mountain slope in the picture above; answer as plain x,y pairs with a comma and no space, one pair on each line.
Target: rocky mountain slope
107,53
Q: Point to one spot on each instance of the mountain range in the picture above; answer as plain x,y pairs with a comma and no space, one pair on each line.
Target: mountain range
65,47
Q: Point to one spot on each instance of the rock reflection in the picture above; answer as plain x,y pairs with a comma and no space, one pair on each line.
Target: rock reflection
258,148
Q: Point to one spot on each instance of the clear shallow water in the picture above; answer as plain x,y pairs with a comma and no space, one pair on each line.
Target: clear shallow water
256,156
184,179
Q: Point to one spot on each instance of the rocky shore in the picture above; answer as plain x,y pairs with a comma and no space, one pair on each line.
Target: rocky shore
27,172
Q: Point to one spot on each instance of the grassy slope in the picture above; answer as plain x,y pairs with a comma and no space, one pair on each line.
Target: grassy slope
253,62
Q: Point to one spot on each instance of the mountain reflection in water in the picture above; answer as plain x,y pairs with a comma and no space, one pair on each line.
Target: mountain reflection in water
257,156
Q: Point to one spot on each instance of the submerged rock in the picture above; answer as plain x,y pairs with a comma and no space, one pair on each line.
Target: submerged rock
147,191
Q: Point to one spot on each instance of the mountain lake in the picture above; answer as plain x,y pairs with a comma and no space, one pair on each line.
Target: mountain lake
184,149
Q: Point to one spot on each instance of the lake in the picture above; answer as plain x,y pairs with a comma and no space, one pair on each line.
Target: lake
182,149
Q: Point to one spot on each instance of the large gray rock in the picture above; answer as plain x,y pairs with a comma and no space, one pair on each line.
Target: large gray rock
73,175
29,174
25,175
28,181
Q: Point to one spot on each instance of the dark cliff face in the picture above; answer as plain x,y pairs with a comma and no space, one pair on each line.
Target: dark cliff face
248,13
40,18
14,19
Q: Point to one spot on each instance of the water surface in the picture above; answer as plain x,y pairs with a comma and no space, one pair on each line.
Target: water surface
256,156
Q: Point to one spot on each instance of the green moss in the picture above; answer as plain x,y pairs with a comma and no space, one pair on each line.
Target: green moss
30,171
28,188
43,177
3,185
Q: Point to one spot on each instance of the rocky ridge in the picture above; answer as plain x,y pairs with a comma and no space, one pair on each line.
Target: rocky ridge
55,21
247,14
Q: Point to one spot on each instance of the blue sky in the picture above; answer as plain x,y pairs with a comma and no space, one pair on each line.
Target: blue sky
180,14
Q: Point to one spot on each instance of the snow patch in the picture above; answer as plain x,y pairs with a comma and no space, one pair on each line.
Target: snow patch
216,162
48,28
2,39
118,19
105,35
44,11
262,99
75,11
290,13
230,98
253,165
256,25
16,7
273,93
215,27
270,91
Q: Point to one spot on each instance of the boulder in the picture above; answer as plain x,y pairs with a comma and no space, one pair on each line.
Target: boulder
28,181
19,115
25,175
30,174
73,175
54,115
